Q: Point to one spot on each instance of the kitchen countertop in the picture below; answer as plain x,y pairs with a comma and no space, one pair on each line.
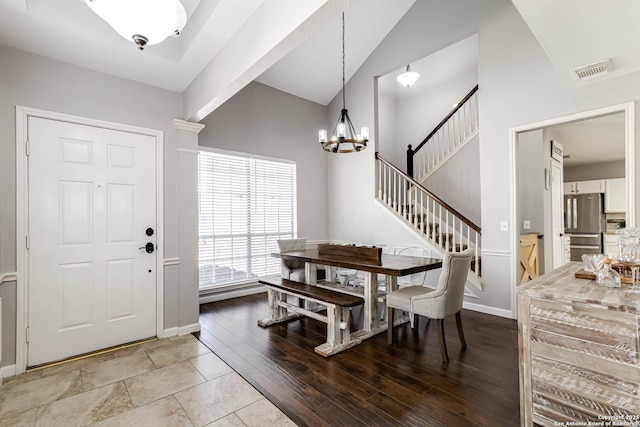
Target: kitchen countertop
561,285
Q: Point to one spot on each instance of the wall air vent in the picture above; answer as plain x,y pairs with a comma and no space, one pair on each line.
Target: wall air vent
592,70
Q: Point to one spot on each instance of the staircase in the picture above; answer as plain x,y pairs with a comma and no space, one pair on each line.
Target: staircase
445,140
407,198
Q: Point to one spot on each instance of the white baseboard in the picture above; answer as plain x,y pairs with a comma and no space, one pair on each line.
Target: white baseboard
171,332
188,329
219,296
7,371
488,310
179,330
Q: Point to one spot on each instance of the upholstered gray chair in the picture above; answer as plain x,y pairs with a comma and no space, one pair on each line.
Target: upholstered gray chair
293,270
437,303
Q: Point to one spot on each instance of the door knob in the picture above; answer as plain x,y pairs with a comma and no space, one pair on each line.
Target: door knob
149,247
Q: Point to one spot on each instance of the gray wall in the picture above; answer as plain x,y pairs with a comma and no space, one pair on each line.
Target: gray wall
532,195
265,121
605,170
429,26
531,181
407,115
34,81
457,182
518,85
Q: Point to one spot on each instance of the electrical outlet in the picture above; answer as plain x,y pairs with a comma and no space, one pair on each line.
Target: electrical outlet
504,225
526,224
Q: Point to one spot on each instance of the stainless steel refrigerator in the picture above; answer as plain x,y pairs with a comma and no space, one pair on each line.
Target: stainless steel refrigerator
584,223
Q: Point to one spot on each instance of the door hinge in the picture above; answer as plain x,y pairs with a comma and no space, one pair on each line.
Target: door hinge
28,334
27,148
27,241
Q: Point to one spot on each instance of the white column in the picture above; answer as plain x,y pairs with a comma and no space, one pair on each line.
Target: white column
188,309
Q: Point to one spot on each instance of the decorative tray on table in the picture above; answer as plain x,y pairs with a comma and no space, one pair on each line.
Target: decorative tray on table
583,274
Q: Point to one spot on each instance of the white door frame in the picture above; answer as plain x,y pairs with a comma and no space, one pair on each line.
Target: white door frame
22,216
630,173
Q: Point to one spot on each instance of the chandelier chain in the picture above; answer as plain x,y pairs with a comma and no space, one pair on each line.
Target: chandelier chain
344,103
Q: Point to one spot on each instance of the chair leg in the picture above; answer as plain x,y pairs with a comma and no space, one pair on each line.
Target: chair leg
390,322
443,344
415,321
460,332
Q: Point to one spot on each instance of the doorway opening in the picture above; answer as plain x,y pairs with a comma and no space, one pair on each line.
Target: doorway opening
540,183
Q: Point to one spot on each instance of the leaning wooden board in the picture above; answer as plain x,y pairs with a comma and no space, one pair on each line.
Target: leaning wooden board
369,254
582,274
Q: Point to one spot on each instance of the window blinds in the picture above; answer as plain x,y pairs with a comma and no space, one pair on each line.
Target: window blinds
245,205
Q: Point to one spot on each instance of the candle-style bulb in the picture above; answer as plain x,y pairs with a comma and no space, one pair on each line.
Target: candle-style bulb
322,135
364,132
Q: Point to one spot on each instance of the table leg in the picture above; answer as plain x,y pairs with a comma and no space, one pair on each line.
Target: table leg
311,277
371,319
331,274
310,273
392,285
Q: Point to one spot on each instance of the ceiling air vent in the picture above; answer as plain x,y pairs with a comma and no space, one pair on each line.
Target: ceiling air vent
592,70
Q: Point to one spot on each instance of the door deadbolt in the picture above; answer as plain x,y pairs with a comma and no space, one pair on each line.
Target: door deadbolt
149,231
149,247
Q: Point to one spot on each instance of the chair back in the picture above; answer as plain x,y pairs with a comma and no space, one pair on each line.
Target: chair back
449,294
292,244
415,278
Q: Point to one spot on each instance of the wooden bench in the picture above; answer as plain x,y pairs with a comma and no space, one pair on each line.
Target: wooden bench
337,304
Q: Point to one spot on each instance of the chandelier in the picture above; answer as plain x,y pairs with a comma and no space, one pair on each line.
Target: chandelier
144,22
408,78
344,132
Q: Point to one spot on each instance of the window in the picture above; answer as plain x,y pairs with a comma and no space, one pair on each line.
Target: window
246,203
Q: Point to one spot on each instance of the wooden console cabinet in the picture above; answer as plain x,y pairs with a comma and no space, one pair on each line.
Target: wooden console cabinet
579,351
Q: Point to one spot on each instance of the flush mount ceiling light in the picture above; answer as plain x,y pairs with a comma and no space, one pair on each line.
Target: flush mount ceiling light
145,22
344,132
408,78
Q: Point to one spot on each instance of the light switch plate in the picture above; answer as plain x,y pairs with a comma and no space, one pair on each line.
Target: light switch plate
504,225
526,224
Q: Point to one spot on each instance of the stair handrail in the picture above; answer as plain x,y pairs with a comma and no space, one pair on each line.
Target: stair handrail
453,211
411,152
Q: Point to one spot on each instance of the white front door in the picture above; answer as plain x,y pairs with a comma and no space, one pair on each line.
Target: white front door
92,197
557,213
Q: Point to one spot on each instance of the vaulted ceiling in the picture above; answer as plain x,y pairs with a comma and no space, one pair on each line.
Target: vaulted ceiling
291,45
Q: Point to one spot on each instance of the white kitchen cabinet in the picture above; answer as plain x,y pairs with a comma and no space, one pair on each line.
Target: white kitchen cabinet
611,244
569,188
615,195
583,187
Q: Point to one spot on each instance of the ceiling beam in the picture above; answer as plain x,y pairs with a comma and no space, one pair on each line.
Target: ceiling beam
274,30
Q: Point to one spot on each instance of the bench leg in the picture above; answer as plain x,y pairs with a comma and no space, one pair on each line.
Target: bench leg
333,327
338,332
276,313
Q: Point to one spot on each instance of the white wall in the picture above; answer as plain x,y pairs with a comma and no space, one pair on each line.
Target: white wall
265,121
518,85
34,81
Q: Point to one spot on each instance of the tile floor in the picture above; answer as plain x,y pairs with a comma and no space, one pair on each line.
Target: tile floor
168,382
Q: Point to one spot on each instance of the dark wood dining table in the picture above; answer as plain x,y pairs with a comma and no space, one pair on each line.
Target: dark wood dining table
393,266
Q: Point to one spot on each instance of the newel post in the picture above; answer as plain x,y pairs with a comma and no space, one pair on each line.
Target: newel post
410,161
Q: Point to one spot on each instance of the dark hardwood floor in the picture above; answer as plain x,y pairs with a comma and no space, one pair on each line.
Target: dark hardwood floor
372,384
